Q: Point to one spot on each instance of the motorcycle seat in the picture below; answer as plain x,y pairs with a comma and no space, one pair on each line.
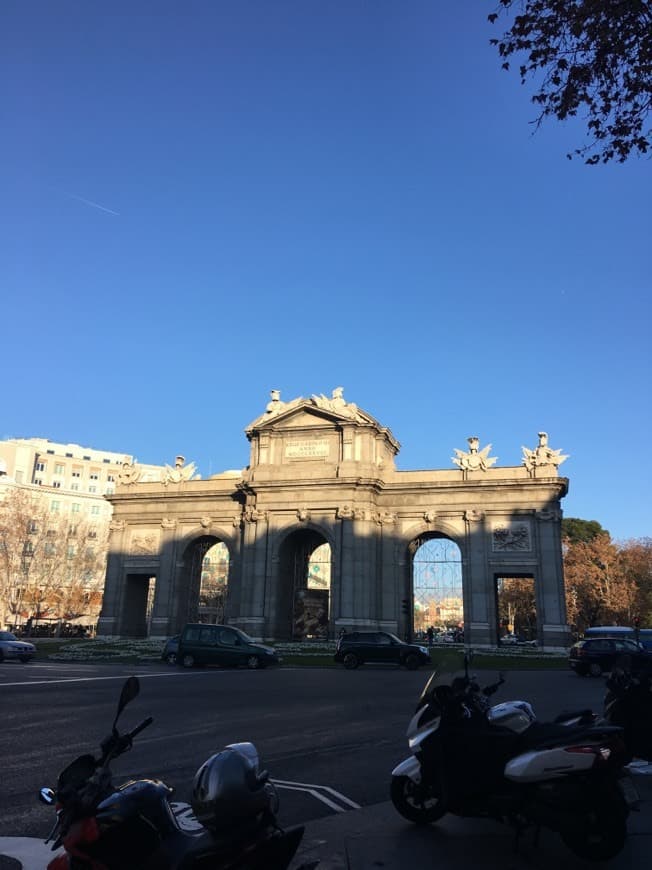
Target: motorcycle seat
545,735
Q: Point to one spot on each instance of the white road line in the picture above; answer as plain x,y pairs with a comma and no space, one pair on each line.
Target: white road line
97,679
315,794
282,783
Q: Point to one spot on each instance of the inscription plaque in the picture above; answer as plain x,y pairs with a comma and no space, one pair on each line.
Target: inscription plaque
308,449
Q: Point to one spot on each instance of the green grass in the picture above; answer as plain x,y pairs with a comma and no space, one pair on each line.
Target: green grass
317,655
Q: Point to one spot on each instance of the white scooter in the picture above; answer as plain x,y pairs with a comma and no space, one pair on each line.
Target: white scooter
499,762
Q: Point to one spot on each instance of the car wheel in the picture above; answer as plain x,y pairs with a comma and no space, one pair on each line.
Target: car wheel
351,661
581,672
25,659
253,662
171,658
411,662
2,656
188,661
595,669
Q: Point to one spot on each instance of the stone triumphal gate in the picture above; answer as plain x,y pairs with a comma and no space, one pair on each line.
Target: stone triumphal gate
320,532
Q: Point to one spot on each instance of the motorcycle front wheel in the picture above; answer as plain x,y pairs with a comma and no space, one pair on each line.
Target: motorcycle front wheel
416,802
599,835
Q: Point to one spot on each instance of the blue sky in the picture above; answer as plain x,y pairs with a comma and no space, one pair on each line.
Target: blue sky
204,201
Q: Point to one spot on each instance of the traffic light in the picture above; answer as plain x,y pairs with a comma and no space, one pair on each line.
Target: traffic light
405,606
637,621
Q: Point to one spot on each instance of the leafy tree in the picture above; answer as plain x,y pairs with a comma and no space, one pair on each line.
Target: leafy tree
636,565
591,56
574,530
598,591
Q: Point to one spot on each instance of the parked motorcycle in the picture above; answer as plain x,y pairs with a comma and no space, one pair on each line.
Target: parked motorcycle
132,826
628,704
472,759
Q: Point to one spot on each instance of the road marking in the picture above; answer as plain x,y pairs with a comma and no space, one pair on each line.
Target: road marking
315,791
97,679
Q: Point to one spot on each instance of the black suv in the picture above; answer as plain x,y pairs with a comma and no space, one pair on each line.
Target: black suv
598,654
358,647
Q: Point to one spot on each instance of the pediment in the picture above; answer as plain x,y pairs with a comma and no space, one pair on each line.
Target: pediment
301,418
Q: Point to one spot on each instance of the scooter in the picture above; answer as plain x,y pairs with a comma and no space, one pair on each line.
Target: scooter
628,703
132,826
472,759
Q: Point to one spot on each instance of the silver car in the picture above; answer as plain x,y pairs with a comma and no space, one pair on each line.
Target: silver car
12,648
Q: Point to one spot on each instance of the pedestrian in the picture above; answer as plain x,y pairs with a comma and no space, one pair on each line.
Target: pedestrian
430,633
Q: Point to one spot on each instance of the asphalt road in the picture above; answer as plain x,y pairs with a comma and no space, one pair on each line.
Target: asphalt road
328,737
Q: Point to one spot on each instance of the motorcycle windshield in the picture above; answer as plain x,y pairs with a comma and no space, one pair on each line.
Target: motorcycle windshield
447,669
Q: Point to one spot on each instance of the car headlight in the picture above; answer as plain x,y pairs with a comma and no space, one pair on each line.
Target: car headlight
424,649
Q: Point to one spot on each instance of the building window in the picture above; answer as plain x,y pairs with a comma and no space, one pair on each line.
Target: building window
70,553
55,506
76,472
68,455
110,478
75,507
59,468
49,548
41,466
109,490
107,461
95,510
50,451
38,481
87,457
94,475
74,487
92,533
92,489
32,528
52,533
56,484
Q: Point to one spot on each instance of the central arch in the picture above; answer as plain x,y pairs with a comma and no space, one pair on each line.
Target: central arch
305,561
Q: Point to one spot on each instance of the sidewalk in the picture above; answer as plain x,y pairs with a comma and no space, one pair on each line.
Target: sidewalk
378,838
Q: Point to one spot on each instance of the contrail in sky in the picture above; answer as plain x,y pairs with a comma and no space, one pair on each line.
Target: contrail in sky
91,203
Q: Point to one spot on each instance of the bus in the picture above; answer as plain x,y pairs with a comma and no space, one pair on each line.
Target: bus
644,634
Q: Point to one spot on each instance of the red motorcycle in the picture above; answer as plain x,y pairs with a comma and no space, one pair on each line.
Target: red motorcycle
132,826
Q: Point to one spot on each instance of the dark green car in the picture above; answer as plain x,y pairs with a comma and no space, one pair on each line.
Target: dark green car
201,644
374,647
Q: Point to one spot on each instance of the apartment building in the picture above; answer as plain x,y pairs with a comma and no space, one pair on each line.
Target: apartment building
71,483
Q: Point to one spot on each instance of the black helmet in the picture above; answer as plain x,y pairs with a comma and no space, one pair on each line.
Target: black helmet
228,789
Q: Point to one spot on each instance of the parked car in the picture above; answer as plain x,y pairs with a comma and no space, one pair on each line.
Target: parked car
358,647
171,650
594,656
12,648
201,644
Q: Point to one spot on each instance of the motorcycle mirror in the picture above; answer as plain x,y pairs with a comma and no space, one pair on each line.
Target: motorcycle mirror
46,796
129,691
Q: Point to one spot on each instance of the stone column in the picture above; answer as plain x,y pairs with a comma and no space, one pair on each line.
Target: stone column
477,612
110,621
166,619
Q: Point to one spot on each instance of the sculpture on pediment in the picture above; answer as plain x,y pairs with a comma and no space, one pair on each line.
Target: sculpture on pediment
129,473
276,406
542,454
337,404
475,459
180,472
